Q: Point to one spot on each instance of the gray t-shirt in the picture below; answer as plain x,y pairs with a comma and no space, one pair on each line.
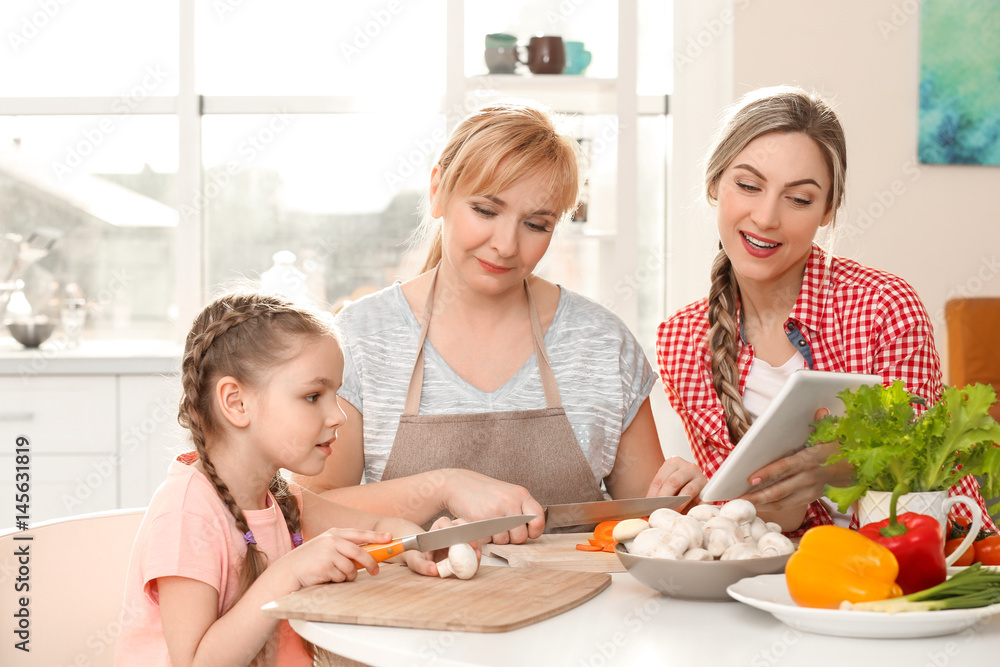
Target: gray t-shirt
601,370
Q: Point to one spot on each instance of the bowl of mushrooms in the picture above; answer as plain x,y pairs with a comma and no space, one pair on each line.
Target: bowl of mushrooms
699,554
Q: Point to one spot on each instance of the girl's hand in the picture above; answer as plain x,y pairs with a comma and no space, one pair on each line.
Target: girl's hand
425,563
678,477
476,497
331,556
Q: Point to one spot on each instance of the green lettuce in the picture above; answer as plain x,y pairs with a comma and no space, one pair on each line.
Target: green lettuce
893,449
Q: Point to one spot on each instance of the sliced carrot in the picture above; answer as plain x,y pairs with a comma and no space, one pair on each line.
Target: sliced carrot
603,532
602,539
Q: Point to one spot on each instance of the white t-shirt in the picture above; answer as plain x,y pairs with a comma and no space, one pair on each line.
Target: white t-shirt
764,381
601,370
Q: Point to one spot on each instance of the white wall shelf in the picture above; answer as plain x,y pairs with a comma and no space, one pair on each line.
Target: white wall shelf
586,95
563,93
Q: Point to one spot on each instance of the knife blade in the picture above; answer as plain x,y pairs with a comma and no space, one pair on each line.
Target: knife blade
576,514
446,537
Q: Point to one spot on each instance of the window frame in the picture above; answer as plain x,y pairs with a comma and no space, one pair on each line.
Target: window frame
189,107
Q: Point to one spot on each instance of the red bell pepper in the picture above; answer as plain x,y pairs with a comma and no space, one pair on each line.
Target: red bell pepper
917,542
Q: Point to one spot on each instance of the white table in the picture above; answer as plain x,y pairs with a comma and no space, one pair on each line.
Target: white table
631,625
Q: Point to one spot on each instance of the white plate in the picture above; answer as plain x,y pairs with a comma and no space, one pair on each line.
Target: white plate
769,593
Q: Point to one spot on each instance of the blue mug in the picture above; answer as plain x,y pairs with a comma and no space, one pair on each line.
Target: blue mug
577,58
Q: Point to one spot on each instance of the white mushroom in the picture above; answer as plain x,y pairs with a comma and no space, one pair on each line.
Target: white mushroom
742,512
773,527
461,562
704,512
625,531
775,544
757,530
740,551
663,518
720,534
697,554
653,543
686,534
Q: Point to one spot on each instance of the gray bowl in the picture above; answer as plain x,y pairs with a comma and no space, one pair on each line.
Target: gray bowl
31,333
696,580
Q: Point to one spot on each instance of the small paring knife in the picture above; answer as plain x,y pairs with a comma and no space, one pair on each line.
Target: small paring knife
577,514
433,540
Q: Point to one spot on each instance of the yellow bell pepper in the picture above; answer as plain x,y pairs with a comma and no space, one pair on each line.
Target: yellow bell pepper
834,564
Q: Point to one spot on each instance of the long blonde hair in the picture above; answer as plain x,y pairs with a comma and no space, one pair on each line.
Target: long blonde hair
778,109
496,147
243,335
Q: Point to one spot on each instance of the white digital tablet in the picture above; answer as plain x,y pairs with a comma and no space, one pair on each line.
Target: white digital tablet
783,429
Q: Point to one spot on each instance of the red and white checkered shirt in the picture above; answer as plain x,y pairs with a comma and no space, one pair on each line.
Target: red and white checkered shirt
854,320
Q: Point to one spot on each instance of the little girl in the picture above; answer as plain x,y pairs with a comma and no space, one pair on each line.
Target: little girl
224,533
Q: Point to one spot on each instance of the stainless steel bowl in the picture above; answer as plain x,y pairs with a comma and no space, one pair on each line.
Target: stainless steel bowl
31,333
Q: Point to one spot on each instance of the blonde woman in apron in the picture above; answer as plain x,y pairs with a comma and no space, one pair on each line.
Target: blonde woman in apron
478,388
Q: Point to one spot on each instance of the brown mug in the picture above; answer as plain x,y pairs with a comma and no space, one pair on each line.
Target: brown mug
546,55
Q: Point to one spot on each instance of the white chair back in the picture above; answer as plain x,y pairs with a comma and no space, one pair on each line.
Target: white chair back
76,568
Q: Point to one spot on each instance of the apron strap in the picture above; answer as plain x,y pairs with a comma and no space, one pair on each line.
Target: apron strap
549,384
415,388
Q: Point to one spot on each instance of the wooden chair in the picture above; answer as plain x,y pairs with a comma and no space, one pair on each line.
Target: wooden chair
974,343
76,572
974,346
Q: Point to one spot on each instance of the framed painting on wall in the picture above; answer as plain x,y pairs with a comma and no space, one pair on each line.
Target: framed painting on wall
959,82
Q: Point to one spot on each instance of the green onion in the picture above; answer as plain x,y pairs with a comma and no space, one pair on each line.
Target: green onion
972,587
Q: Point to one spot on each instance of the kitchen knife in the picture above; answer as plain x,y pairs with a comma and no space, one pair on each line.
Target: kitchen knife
446,537
576,514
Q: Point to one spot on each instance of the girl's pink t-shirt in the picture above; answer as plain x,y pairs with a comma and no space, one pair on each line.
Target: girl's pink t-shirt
189,532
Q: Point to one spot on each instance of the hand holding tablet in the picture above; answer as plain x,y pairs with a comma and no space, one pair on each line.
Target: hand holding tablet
782,429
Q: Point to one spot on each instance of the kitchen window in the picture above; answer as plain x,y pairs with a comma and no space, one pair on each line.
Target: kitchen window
177,145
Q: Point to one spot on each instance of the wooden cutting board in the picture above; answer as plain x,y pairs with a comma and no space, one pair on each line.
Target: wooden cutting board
497,599
557,551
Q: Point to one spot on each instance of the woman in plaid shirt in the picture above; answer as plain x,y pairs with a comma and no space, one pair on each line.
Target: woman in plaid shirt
778,303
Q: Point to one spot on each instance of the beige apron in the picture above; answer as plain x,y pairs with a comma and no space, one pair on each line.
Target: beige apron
536,449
